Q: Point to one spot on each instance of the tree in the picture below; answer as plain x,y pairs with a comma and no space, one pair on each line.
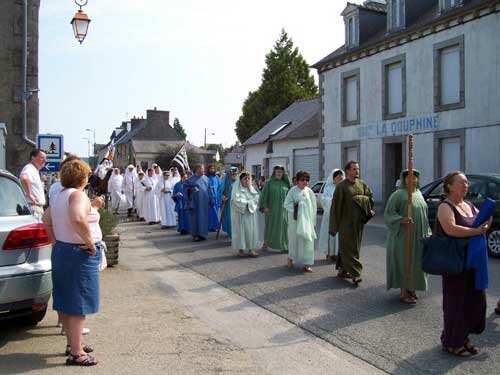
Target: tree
285,79
179,128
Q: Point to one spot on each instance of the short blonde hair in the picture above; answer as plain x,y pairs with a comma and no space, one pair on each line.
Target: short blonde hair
74,173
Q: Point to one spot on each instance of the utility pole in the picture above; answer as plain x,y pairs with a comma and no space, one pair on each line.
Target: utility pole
205,139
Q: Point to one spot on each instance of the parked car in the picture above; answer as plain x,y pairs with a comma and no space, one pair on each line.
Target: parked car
25,266
481,186
317,188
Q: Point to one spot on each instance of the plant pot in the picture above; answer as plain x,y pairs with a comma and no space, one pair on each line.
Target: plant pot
112,248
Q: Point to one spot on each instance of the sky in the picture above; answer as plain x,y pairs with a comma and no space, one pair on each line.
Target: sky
194,58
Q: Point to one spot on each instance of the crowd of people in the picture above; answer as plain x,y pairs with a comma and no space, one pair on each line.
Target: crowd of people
203,201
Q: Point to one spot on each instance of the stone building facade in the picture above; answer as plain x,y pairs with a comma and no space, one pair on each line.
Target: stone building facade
11,46
429,68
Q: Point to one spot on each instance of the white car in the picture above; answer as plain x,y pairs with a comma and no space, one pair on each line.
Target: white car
25,249
317,188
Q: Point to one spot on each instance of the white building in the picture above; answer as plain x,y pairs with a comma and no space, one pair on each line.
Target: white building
425,67
290,139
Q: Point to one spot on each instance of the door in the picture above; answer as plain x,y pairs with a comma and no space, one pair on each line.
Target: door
307,160
393,167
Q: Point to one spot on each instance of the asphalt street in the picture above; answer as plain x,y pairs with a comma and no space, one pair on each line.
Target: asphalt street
368,322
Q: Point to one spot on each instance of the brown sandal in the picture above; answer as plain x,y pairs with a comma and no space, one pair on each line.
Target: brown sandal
87,360
253,254
460,352
86,349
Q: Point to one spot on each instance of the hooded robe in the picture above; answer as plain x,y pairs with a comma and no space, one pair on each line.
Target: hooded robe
244,207
181,208
129,186
327,244
150,202
163,191
139,196
276,221
226,215
198,193
396,210
301,232
213,210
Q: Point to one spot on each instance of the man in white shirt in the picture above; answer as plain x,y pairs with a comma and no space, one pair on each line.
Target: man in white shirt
32,183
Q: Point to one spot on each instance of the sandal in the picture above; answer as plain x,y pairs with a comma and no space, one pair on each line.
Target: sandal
344,275
412,294
241,254
470,348
86,349
87,360
356,280
252,254
409,300
307,269
289,263
460,352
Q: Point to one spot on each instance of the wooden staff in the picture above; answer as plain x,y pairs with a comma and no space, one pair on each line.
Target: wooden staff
226,190
409,226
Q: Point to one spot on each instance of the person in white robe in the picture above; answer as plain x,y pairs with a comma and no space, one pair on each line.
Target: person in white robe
175,177
150,202
244,208
300,203
139,188
158,176
164,190
328,245
103,168
129,188
115,184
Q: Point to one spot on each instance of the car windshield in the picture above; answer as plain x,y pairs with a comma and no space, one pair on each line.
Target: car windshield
12,201
317,187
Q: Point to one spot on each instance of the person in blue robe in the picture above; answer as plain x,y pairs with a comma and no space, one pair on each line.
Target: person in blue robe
197,191
229,179
181,206
213,210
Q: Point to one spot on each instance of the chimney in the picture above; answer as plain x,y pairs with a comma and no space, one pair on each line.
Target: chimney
158,118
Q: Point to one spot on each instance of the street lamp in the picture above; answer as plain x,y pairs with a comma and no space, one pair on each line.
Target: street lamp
205,139
88,151
93,148
80,21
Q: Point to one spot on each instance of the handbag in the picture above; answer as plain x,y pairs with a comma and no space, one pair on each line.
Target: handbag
443,255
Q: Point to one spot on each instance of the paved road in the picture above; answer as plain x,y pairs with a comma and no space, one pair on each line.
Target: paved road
368,322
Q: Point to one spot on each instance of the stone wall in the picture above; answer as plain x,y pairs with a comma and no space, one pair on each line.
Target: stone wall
11,44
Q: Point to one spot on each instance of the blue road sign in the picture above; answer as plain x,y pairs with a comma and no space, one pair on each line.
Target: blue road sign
51,166
52,144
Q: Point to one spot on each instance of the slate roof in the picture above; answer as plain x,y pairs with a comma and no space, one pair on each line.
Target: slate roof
157,147
423,20
304,121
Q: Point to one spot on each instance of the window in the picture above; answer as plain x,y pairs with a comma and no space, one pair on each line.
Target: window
350,98
477,188
257,171
351,27
449,146
350,151
269,148
317,187
494,190
394,88
396,15
12,201
449,4
449,75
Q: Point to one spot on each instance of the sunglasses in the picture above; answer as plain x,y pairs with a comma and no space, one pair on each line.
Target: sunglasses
304,179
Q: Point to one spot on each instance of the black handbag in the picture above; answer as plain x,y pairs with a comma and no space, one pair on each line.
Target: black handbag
444,255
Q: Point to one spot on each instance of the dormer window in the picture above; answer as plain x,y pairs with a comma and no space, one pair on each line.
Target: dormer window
449,4
396,14
352,31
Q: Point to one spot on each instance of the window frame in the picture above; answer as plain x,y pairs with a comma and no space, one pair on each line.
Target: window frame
399,59
444,8
439,136
356,73
402,14
351,144
438,48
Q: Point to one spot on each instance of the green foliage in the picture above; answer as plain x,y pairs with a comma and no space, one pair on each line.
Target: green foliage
285,79
179,128
164,160
107,222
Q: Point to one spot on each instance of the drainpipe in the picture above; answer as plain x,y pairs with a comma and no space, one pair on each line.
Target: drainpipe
25,95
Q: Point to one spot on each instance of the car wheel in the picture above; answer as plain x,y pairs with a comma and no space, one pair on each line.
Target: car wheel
33,319
494,242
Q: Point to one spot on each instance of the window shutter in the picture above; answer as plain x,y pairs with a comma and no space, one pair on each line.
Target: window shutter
450,75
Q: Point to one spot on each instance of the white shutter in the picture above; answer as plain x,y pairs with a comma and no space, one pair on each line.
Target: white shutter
450,155
450,75
351,99
395,88
307,160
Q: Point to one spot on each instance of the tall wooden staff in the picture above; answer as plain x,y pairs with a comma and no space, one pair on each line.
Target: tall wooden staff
223,208
409,226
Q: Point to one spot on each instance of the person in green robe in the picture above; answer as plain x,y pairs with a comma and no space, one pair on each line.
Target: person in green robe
276,217
244,207
352,207
395,216
300,203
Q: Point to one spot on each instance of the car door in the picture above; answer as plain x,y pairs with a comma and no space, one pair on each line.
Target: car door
433,197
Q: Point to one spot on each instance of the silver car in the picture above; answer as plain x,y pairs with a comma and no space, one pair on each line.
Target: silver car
25,267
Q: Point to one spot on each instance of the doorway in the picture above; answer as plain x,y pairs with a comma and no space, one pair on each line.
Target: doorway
394,162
